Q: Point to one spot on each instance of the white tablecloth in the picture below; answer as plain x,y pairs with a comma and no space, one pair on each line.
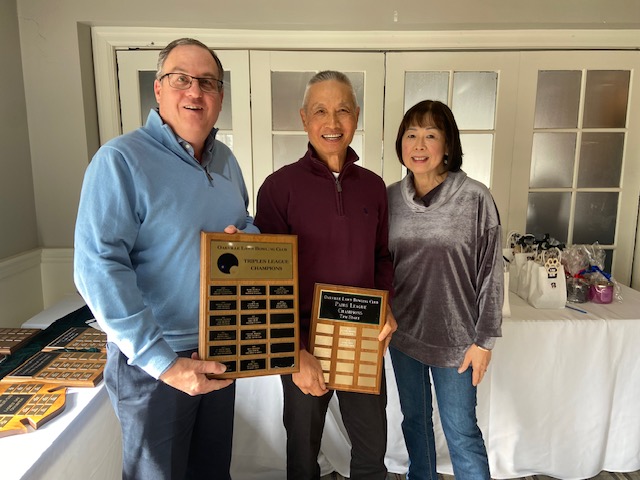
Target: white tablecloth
561,398
563,395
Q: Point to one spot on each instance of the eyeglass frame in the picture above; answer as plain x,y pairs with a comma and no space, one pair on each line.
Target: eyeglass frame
218,82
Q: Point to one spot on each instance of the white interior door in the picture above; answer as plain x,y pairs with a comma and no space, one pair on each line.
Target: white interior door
577,152
480,88
136,73
278,81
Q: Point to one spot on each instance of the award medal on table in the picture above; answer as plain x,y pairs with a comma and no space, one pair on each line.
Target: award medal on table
345,324
249,303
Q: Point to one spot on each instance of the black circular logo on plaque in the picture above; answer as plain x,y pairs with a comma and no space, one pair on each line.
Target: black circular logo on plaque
226,262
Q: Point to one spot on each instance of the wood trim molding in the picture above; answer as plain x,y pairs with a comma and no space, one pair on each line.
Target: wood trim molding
57,255
136,37
19,263
106,40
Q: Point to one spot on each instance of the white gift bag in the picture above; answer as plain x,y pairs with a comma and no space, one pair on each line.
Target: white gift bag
519,260
548,284
526,261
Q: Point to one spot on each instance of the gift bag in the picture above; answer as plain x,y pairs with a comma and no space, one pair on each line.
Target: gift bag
523,248
526,261
506,306
547,286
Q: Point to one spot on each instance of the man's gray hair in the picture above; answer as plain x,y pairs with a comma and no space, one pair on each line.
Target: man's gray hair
327,75
164,53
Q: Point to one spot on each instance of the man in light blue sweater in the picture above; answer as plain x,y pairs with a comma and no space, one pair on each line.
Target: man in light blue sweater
146,196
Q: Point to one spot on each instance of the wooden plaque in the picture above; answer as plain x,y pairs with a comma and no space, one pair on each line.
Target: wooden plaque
345,324
72,369
11,339
249,303
33,404
79,338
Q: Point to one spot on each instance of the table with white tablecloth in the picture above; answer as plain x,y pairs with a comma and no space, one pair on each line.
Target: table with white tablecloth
560,399
563,394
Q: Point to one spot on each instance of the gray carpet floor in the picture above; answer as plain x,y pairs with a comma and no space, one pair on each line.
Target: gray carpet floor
600,476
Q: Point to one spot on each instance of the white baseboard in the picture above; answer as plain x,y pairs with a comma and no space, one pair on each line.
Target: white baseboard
32,281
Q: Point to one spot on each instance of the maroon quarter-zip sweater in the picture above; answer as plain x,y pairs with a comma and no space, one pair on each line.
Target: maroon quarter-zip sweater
341,224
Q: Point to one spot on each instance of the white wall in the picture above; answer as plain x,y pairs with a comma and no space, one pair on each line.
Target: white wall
60,99
17,208
20,284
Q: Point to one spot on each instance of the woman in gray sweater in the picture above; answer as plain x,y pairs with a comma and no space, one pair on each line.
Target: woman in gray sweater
445,242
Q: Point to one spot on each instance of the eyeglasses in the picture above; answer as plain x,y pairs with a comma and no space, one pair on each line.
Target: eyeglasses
183,81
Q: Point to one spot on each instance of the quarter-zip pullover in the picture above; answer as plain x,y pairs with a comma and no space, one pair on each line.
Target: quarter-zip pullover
144,201
341,224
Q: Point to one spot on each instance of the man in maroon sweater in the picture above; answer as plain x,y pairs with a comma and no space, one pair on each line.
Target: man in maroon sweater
338,210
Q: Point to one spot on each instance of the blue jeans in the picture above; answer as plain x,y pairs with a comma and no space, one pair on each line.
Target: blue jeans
167,434
457,405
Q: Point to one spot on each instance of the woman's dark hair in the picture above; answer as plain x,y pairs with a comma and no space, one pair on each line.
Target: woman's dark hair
436,114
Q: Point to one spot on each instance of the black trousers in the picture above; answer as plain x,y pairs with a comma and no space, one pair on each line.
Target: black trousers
167,434
364,417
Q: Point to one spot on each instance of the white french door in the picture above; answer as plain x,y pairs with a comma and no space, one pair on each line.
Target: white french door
576,162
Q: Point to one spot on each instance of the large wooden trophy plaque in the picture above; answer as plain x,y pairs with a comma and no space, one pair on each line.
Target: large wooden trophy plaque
345,324
249,303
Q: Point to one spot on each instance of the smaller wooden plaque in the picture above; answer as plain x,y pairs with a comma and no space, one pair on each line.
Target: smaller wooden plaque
345,324
11,339
33,404
72,369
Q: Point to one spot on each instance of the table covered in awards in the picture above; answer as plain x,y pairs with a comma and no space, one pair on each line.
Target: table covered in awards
249,303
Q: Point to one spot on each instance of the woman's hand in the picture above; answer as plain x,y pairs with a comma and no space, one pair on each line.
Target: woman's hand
478,358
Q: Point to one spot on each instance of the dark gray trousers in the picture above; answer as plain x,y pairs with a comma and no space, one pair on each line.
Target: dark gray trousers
364,417
167,434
